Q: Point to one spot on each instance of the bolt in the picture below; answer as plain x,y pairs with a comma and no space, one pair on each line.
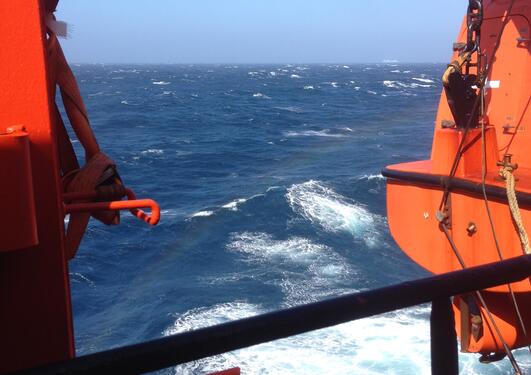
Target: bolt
506,162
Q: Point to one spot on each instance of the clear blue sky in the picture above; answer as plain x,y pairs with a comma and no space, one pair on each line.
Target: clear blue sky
260,31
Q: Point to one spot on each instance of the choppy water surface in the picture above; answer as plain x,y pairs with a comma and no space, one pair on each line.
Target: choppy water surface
269,180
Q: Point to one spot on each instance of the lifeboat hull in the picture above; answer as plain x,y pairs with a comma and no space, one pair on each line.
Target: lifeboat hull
464,168
413,198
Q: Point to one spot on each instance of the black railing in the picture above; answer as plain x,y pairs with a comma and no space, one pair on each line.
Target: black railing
205,342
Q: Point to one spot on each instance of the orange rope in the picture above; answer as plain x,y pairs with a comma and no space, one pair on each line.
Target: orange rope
99,169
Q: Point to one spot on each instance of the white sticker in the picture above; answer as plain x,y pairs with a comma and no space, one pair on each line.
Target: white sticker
492,84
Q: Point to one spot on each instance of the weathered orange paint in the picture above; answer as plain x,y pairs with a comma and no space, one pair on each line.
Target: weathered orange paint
411,207
501,307
18,227
35,313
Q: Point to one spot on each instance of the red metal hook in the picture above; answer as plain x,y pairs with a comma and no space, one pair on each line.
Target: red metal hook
132,204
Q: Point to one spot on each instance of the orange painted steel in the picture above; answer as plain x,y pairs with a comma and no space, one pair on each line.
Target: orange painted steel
18,228
35,156
412,201
132,204
35,312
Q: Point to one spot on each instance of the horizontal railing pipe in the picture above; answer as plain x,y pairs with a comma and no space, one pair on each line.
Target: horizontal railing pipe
205,342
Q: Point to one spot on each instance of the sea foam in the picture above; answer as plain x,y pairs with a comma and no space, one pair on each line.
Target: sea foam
262,246
313,133
202,214
333,212
260,95
425,80
364,347
233,206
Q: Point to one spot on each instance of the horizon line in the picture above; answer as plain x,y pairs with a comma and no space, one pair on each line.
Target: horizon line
258,63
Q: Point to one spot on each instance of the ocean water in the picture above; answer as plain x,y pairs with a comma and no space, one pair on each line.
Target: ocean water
269,181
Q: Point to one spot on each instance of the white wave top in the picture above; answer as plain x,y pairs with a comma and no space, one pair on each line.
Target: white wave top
296,76
308,87
272,74
260,95
425,80
402,85
171,212
387,344
233,206
415,85
316,133
394,84
263,246
313,133
318,267
136,71
202,214
333,212
154,151
205,317
372,177
161,83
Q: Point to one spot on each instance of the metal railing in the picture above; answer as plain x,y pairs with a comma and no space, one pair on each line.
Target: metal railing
205,342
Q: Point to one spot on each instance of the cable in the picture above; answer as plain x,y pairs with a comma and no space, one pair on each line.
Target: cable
479,100
483,79
489,215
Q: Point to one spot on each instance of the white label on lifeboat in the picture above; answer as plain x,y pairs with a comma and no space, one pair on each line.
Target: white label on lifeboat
492,84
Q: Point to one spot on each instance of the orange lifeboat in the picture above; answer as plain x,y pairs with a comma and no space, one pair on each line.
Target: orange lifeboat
470,203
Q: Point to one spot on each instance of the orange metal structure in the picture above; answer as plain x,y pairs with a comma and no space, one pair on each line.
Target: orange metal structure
39,273
35,313
132,204
17,193
415,190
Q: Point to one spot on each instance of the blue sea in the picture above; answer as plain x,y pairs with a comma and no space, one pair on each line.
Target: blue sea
269,181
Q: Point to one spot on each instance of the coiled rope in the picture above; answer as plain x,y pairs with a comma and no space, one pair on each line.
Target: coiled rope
99,172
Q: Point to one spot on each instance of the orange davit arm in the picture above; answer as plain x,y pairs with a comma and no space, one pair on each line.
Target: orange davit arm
35,313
